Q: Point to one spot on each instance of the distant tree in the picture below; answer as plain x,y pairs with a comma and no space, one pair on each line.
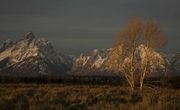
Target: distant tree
137,32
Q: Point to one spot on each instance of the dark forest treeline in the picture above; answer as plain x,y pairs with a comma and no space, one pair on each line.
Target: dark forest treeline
66,79
72,79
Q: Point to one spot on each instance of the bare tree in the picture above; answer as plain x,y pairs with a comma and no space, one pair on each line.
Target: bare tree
137,32
152,38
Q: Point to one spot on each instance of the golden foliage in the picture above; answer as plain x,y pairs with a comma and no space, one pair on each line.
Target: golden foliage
137,32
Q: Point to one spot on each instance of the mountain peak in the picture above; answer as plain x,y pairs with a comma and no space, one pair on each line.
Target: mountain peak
37,53
29,35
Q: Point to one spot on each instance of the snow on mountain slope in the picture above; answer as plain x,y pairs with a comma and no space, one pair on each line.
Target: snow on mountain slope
91,63
31,50
101,60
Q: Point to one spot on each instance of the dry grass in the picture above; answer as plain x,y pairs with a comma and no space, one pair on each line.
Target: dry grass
85,97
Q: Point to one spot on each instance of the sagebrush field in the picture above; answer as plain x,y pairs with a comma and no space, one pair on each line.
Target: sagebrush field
86,97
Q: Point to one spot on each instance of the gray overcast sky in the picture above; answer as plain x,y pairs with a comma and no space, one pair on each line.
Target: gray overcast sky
75,26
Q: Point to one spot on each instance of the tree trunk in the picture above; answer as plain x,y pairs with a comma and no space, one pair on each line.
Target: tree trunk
143,75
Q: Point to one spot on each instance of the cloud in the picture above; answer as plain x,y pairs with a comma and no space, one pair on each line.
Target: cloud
84,19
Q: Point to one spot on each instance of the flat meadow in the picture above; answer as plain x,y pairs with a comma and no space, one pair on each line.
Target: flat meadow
86,97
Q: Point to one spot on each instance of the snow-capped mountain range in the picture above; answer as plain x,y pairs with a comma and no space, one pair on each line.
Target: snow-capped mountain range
109,60
32,56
